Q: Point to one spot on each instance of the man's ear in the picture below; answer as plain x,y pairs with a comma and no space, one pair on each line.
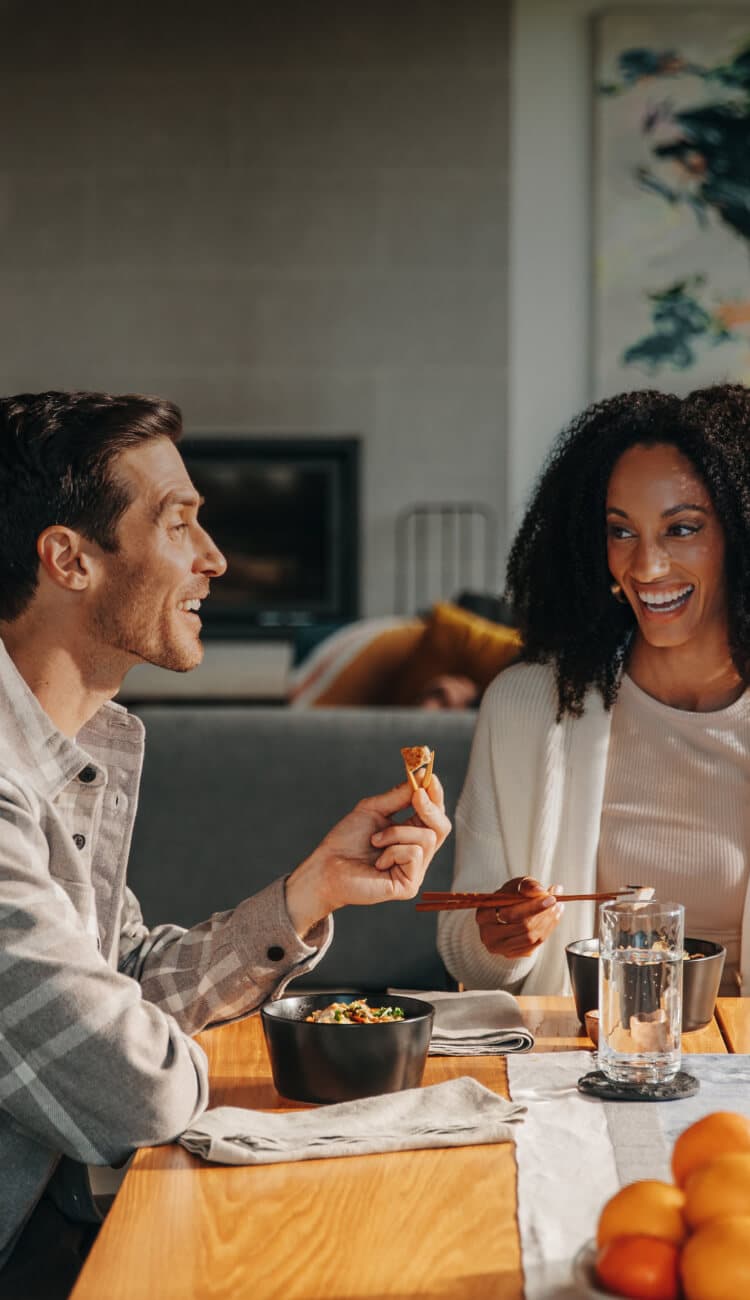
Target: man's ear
63,557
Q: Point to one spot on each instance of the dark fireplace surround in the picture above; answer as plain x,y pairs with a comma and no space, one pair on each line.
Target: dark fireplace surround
285,512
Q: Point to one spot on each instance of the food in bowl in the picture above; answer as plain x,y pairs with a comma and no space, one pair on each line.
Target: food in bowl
357,1012
315,1060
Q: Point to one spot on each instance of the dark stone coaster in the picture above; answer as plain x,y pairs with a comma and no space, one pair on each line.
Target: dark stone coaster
596,1084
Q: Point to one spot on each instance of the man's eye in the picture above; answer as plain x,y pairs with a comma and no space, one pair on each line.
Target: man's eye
178,528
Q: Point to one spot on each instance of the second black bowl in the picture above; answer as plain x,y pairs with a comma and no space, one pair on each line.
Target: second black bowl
701,978
311,1061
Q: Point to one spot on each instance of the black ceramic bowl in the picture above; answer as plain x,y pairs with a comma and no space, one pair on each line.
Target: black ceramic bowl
700,979
323,1062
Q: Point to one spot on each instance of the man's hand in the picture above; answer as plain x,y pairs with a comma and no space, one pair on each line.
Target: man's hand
517,929
369,858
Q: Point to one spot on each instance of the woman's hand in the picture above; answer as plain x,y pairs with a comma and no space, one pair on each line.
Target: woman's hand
517,929
368,857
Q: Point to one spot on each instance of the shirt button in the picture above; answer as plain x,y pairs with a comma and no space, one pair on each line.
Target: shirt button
79,841
275,953
87,775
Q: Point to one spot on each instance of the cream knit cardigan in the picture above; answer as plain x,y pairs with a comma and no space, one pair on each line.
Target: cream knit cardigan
531,806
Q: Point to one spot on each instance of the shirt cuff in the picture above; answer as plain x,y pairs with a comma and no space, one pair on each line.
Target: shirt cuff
270,949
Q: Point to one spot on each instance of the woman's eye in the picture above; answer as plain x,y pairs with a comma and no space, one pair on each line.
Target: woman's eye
684,530
618,532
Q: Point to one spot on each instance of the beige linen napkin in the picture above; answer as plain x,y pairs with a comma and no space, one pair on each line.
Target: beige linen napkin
458,1113
479,1022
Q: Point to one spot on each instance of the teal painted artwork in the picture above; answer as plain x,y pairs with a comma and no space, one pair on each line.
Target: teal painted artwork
672,196
679,325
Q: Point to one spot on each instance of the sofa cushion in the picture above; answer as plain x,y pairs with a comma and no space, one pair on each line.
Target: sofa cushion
235,796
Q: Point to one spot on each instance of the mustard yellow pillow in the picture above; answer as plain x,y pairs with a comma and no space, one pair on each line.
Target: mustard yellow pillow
457,641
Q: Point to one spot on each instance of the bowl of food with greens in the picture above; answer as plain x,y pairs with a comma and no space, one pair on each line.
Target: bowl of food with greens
326,1047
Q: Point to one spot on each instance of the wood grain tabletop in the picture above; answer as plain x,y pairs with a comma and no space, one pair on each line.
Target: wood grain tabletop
437,1224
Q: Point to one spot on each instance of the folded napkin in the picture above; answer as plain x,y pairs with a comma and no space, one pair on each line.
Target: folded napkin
458,1113
480,1022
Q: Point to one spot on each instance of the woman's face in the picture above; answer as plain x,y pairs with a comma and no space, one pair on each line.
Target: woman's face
665,545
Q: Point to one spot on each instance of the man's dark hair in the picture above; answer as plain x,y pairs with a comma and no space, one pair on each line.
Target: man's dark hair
56,467
558,579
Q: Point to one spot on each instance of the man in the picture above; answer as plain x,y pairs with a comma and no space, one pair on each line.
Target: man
103,565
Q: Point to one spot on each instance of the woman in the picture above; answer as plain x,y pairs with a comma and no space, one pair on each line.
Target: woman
619,750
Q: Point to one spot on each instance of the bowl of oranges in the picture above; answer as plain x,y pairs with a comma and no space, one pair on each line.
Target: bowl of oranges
684,1240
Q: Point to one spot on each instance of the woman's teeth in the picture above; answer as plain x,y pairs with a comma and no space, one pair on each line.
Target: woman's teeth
664,602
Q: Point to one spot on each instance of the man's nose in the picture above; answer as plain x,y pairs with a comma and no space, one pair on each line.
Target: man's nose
209,559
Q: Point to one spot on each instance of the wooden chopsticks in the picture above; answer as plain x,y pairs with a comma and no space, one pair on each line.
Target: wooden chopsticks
445,901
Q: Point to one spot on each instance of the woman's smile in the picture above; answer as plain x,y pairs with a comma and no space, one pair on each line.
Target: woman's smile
664,602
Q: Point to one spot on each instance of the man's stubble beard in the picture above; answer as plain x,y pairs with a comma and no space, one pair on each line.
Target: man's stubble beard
125,625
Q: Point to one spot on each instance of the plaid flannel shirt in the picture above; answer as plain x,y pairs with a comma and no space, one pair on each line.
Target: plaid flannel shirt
96,1009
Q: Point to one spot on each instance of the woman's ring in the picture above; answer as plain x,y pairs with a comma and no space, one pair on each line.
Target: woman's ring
500,919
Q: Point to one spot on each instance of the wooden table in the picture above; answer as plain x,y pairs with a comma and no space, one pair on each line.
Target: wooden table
438,1224
733,1017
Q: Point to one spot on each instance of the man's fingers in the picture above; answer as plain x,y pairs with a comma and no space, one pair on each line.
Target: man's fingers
430,812
406,833
426,805
434,791
392,801
424,801
409,857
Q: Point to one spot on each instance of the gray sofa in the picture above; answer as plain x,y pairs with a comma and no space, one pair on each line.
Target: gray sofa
233,796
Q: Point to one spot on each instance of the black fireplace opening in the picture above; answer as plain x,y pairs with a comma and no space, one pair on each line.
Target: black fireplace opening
285,513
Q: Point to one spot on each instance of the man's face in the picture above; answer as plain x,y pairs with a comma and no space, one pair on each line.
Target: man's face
146,604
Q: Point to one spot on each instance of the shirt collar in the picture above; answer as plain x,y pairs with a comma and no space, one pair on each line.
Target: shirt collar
32,742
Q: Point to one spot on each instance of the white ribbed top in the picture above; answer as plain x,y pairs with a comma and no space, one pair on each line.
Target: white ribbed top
676,812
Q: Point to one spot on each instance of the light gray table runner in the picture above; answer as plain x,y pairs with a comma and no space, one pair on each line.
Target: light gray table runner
479,1022
460,1112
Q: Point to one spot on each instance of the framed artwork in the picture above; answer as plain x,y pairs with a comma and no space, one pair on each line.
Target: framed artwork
672,198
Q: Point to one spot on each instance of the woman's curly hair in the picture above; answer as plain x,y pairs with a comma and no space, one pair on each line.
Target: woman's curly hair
557,575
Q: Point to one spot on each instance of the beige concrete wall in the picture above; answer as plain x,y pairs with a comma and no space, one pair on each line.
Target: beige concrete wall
287,216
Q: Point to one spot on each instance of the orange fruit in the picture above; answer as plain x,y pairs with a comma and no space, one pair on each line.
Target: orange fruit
719,1189
708,1138
643,1268
715,1262
647,1208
